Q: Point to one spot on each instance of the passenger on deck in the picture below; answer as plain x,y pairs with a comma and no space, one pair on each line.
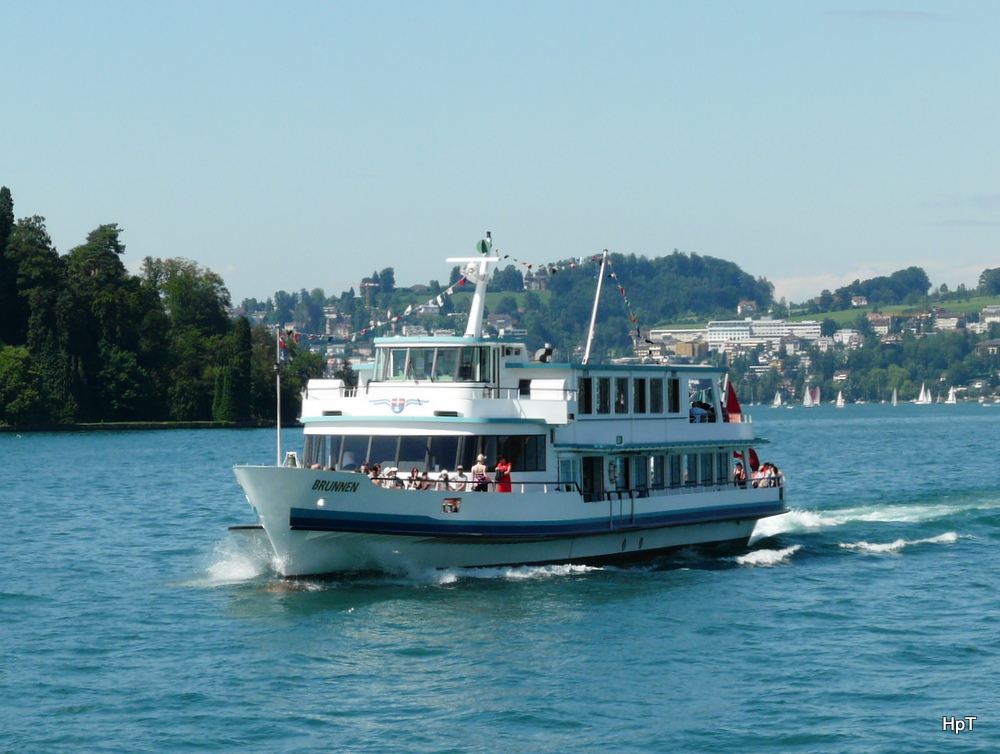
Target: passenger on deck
740,475
480,481
442,482
413,481
503,475
460,482
426,483
374,473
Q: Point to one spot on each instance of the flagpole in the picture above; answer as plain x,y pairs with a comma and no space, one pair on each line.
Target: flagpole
593,315
277,372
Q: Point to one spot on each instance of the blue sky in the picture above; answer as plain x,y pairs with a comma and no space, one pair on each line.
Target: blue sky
305,144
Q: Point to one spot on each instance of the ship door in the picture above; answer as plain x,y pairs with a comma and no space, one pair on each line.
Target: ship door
593,478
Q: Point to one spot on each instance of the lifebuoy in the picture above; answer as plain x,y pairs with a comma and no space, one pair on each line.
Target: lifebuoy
612,471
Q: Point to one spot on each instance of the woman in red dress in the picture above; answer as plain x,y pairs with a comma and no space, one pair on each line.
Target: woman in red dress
503,475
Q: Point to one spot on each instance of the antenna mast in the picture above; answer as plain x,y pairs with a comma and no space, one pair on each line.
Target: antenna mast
593,315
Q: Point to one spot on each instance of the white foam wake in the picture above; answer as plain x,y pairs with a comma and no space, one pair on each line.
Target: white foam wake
767,557
512,573
895,546
234,561
796,521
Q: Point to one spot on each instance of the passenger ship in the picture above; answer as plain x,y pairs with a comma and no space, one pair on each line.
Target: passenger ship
610,463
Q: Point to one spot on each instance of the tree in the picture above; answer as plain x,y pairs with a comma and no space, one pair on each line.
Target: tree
8,270
507,305
21,394
387,280
989,282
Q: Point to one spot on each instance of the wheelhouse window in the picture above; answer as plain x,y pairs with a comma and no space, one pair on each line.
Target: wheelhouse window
674,395
585,396
621,395
639,396
656,396
604,395
444,364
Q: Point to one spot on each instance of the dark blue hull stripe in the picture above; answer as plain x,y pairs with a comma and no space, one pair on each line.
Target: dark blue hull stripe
425,526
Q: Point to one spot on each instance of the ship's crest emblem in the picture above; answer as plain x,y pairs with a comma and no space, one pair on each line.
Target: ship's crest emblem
397,405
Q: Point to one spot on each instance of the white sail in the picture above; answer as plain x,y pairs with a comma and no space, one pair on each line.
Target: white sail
776,403
840,399
807,398
895,396
925,395
952,398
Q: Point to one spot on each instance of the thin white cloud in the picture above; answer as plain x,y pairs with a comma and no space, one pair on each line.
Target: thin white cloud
887,15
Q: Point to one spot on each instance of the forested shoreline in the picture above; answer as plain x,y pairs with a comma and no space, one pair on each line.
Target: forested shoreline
86,344
83,341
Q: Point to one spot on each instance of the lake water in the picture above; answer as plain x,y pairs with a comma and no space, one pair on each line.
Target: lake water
133,622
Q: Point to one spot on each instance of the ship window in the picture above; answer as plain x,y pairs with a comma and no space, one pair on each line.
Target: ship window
396,367
690,468
604,395
421,363
412,452
585,396
656,396
706,468
621,395
474,364
673,396
383,451
722,467
641,479
446,364
444,452
355,452
639,396
656,471
675,471
568,471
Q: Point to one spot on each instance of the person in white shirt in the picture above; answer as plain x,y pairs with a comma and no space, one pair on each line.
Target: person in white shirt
460,482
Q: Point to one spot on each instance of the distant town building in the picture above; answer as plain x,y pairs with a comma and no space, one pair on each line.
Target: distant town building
859,301
537,280
765,331
881,323
850,339
948,321
746,307
989,314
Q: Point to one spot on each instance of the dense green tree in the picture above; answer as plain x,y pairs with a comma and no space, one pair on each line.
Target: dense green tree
8,270
989,282
22,399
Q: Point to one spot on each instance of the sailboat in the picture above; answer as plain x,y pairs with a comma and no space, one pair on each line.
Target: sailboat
895,397
776,403
807,398
925,396
952,398
840,399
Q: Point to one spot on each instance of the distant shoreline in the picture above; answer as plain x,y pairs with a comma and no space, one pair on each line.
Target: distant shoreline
127,426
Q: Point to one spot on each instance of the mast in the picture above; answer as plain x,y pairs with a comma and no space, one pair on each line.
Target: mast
593,314
475,271
277,372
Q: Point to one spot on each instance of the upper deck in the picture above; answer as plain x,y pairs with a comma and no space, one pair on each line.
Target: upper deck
466,385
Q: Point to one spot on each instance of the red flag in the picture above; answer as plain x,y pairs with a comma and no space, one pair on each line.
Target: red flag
732,402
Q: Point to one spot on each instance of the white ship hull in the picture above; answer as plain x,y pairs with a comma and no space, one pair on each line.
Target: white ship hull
328,522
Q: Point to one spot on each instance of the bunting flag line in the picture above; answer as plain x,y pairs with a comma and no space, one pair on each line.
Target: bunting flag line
437,301
572,264
551,269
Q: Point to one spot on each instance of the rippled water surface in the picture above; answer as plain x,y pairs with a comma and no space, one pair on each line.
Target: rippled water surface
132,621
